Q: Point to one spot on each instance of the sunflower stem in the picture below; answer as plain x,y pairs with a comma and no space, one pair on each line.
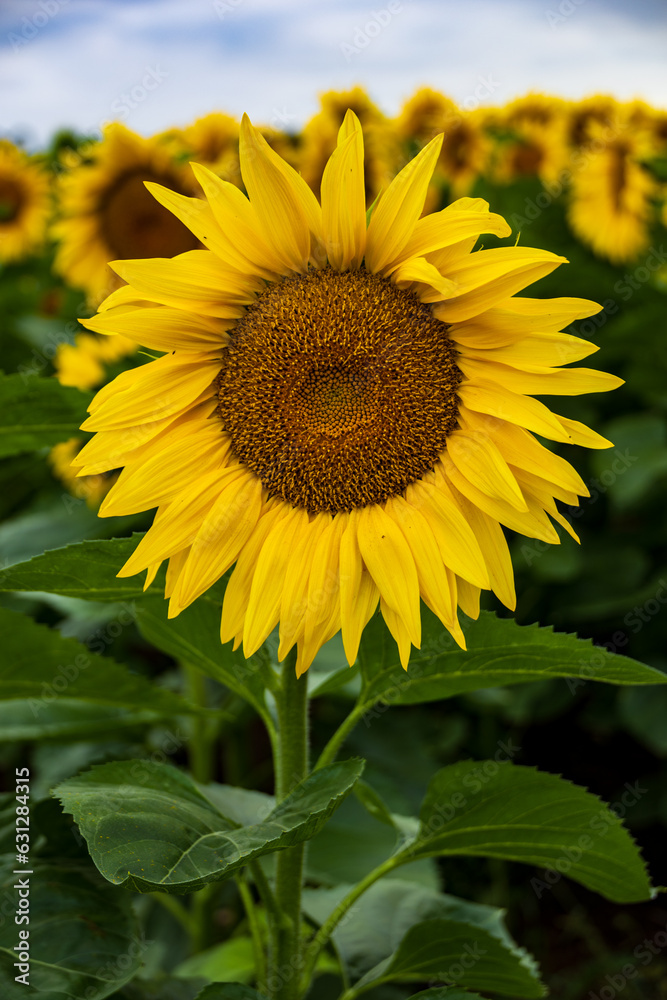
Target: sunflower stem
330,751
291,768
255,931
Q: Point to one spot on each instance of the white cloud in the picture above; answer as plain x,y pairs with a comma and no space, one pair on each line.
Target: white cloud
266,58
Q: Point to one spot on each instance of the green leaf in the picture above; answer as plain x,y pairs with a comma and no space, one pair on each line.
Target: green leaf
194,638
445,993
229,991
354,842
486,809
499,652
38,413
86,569
149,826
67,719
457,953
376,924
84,940
231,961
41,666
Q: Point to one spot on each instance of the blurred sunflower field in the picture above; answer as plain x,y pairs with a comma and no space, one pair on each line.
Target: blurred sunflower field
584,179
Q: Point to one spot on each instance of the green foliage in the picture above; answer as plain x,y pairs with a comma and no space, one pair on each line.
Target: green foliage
194,638
86,570
486,809
228,991
43,667
84,940
375,926
149,827
499,652
455,952
38,413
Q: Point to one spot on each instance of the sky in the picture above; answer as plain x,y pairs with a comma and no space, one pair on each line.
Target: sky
155,64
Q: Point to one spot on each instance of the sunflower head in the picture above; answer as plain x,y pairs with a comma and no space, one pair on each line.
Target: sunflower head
344,411
25,203
106,213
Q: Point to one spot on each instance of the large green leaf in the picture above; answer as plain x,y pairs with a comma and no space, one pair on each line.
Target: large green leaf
499,652
457,953
149,826
38,413
86,569
40,667
194,638
68,719
84,940
229,991
499,810
378,921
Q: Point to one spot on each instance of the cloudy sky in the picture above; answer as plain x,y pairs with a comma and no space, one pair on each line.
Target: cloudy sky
158,63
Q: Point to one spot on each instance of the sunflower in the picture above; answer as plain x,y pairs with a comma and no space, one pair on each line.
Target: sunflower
212,140
535,109
25,204
598,112
106,213
344,412
612,194
533,147
319,137
90,489
81,364
465,147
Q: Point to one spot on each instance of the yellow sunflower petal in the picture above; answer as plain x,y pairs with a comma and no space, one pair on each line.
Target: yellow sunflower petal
175,526
493,544
399,208
456,542
162,388
433,232
191,278
558,382
389,561
479,460
433,581
223,533
533,522
419,270
399,631
162,328
489,276
494,399
294,607
237,593
344,200
238,221
268,580
284,203
359,594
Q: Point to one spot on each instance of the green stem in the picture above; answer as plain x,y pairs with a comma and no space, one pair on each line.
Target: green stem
201,918
330,751
255,932
177,910
334,918
202,732
291,768
265,891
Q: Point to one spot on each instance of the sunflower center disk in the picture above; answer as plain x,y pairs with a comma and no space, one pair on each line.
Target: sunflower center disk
338,389
136,225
